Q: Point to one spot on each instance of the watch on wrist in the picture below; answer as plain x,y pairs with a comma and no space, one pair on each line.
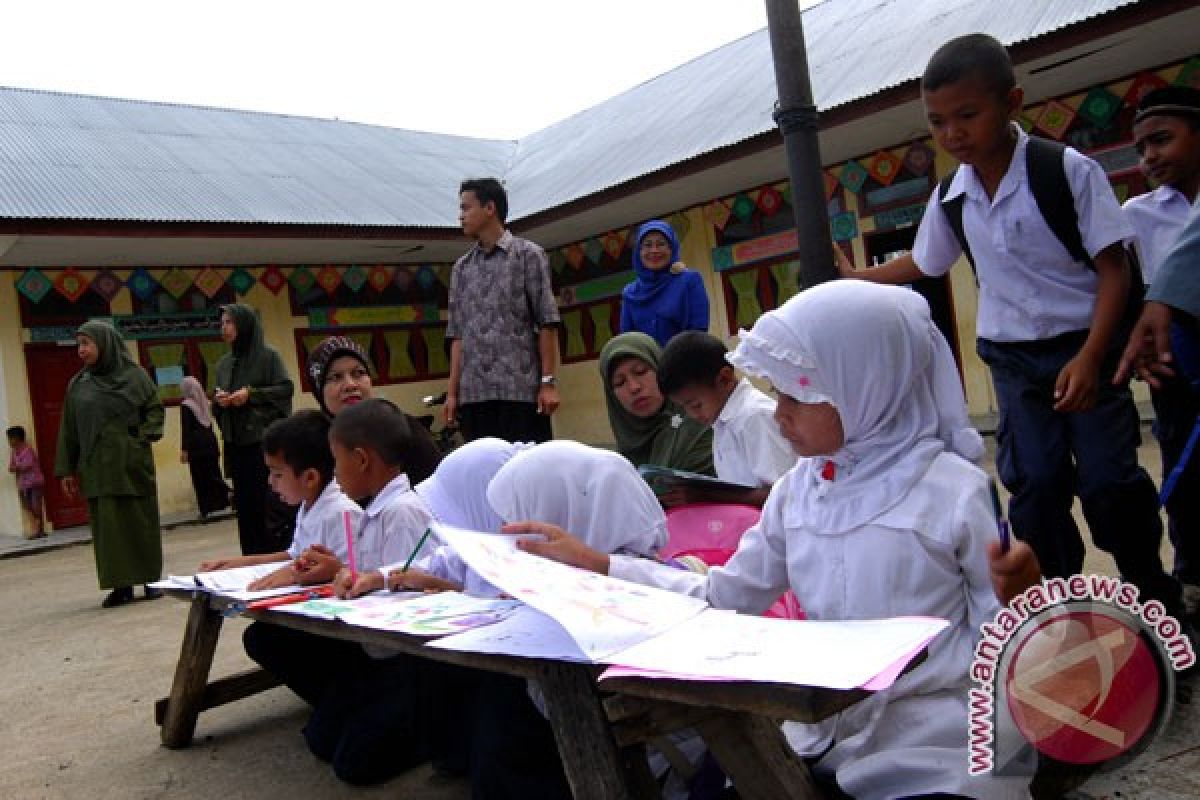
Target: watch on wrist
549,380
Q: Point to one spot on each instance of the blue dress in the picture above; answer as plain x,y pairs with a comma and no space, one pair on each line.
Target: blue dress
661,303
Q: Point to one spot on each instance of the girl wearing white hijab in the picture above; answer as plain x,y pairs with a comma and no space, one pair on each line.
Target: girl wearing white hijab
600,496
884,516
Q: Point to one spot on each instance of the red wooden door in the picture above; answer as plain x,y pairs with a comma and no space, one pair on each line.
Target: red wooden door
50,367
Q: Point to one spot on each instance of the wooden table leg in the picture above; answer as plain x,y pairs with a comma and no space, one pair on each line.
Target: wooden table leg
755,755
596,768
191,673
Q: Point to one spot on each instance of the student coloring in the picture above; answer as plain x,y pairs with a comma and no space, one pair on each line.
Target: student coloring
882,516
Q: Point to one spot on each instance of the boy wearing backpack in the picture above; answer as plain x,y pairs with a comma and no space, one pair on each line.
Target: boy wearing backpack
1044,231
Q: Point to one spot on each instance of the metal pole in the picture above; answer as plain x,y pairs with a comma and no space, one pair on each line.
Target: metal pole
796,117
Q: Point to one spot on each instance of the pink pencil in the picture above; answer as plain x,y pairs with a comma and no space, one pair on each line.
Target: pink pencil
350,545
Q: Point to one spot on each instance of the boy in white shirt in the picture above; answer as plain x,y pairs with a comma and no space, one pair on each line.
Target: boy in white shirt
1052,295
1166,132
747,446
368,707
300,471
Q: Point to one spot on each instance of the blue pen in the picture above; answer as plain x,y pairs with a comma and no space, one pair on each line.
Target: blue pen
1001,522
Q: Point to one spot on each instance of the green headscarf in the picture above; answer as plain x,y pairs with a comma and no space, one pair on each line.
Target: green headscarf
669,438
114,389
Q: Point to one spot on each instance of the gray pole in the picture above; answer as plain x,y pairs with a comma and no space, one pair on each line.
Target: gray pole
796,117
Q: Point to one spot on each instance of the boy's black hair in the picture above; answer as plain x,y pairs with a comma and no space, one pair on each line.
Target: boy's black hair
691,358
1171,101
488,190
398,439
974,55
302,441
16,432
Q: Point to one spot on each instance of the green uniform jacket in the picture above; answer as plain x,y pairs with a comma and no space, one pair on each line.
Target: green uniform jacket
120,463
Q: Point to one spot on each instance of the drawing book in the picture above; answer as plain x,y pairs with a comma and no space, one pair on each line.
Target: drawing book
579,615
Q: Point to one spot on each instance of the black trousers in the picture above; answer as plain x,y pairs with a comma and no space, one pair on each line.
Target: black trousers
504,419
265,523
514,755
373,718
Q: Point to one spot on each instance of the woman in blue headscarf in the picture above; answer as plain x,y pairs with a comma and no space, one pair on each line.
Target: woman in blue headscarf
666,297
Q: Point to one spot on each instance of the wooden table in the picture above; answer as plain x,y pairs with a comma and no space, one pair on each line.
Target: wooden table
601,730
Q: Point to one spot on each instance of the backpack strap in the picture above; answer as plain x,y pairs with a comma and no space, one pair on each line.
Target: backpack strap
1047,174
953,209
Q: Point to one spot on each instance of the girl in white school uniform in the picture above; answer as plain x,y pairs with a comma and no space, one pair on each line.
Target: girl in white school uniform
601,497
883,516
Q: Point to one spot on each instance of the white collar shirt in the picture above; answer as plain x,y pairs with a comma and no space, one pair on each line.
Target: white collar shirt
1030,288
1157,218
748,447
323,523
391,527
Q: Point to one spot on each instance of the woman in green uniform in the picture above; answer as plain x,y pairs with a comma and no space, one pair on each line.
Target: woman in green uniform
110,417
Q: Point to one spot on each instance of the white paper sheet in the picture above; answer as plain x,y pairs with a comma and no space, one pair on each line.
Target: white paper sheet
526,632
603,615
837,655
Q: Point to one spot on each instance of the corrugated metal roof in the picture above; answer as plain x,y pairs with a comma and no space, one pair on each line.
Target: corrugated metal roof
65,156
855,48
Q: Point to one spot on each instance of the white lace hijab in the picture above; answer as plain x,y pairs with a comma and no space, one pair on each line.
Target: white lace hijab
874,353
594,494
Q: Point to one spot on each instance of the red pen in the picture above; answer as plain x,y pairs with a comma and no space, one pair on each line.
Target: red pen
286,599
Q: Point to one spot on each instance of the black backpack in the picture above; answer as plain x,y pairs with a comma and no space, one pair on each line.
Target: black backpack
1048,183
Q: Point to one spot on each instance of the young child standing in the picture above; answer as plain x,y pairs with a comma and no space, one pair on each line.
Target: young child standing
1166,132
1048,322
882,516
27,469
747,446
300,470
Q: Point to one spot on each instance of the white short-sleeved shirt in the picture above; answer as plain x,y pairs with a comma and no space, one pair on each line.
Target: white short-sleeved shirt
391,526
1156,218
747,445
1030,288
925,556
322,522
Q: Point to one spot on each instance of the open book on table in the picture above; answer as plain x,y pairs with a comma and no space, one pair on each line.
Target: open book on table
577,615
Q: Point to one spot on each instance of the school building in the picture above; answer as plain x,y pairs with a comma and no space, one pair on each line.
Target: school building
153,214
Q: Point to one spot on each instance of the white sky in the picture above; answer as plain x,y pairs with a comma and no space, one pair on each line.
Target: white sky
420,64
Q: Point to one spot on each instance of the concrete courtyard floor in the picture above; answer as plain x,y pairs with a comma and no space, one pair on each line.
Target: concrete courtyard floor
80,685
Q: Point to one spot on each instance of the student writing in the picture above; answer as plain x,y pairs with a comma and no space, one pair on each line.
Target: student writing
883,515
